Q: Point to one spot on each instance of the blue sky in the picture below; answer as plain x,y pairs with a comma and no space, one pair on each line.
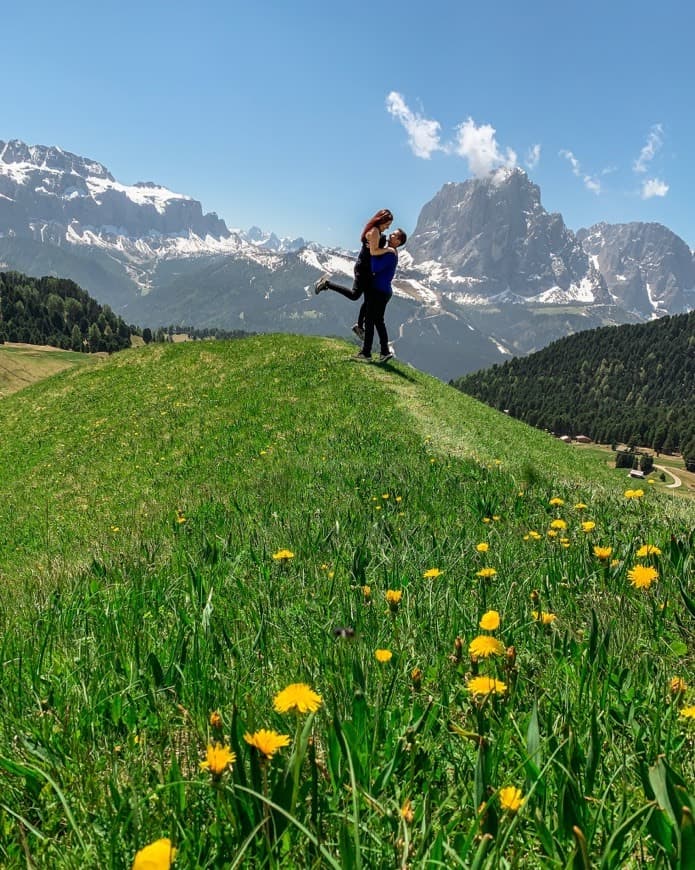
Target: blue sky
306,117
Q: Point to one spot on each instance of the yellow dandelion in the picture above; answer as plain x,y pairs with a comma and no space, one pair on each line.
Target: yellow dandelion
634,493
407,812
393,597
556,501
536,536
588,526
486,686
511,798
678,686
482,547
432,573
215,719
297,697
580,506
558,524
487,520
484,645
615,563
367,592
496,517
552,533
642,576
283,555
603,553
647,550
490,621
383,655
486,573
157,856
267,742
218,758
688,712
543,617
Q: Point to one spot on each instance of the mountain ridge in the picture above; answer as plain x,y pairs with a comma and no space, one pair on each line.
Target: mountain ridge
488,273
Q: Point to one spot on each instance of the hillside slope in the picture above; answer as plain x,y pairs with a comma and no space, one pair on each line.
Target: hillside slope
281,609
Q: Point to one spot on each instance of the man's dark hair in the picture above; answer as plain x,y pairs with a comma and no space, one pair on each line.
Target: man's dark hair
403,235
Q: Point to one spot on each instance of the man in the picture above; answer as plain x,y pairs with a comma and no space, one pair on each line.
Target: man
377,298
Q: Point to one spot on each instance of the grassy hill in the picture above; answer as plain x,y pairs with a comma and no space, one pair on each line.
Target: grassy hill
23,364
149,612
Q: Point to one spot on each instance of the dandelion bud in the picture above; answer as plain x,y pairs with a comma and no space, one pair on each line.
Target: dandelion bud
458,649
535,597
416,677
678,686
215,719
367,592
407,813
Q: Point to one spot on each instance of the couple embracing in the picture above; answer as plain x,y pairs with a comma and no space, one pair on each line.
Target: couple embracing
374,270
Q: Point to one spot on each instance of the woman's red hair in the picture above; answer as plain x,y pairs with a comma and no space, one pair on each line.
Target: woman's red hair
382,216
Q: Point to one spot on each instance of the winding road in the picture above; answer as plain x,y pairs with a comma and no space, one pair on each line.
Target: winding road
676,480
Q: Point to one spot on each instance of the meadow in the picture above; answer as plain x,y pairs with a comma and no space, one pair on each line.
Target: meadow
265,607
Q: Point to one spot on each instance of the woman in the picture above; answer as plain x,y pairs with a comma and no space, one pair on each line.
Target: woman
373,244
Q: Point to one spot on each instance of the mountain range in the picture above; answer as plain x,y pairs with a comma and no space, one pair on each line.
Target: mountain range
487,272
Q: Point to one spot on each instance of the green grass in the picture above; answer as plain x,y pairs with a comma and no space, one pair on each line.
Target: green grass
141,504
22,365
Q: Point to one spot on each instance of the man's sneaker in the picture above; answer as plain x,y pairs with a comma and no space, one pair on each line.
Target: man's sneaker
385,357
361,357
359,332
322,283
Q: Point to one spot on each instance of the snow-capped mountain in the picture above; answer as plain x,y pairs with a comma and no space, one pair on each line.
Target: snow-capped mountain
482,269
648,269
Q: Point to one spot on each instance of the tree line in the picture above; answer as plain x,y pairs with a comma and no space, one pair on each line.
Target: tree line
633,384
57,312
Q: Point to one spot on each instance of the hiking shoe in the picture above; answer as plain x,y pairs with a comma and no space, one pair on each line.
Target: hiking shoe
359,332
322,283
361,357
385,357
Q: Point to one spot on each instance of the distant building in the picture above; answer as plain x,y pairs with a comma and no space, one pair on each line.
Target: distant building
636,473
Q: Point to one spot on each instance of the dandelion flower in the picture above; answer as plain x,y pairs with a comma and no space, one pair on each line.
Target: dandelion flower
267,742
482,547
543,617
407,812
490,621
647,550
486,686
552,533
556,501
283,555
511,798
688,712
642,576
486,573
603,553
484,645
432,573
215,719
218,758
157,856
536,536
678,686
367,592
580,506
588,526
634,493
558,524
383,655
297,697
393,597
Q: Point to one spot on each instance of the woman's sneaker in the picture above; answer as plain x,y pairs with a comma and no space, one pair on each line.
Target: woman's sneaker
359,332
385,357
322,283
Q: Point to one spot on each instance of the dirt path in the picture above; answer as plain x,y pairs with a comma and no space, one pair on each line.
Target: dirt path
676,480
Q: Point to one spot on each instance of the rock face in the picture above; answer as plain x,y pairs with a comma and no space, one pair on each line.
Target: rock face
495,234
648,269
45,189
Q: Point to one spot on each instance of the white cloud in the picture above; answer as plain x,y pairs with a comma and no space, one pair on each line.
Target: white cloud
480,148
533,156
654,187
590,182
423,134
654,142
